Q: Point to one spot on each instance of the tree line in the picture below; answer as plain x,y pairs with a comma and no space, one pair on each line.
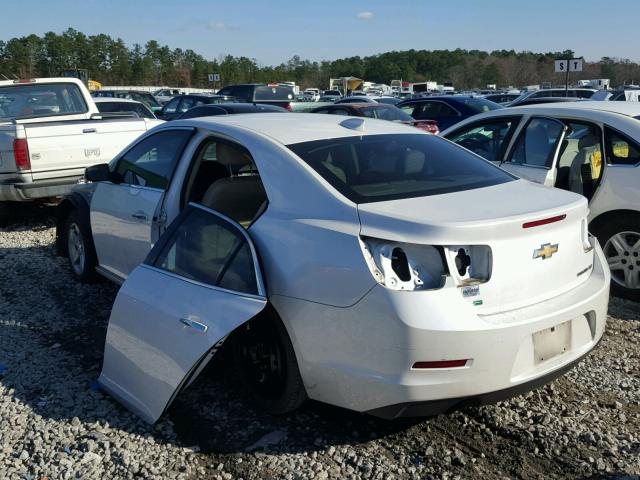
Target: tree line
111,62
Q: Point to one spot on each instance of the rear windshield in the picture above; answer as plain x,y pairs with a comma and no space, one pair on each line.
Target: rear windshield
386,113
479,105
41,100
276,94
375,168
124,107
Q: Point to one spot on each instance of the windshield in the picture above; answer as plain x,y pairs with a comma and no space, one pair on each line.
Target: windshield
275,93
41,100
374,168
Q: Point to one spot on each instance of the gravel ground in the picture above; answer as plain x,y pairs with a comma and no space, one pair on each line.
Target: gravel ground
54,423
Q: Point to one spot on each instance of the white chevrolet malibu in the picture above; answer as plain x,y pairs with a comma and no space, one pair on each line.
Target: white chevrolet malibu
355,262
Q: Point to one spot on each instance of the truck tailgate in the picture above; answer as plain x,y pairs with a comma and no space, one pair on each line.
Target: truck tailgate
59,149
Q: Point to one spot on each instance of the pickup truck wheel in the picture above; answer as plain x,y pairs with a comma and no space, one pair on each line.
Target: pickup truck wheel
80,250
620,240
266,362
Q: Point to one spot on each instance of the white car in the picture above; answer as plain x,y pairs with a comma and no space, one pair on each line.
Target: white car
591,148
356,262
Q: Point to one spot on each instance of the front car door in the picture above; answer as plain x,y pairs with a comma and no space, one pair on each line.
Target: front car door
200,282
125,213
535,152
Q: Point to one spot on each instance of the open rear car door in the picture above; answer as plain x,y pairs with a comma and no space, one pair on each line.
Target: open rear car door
200,282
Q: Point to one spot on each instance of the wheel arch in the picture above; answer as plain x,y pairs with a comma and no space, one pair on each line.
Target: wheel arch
604,217
77,202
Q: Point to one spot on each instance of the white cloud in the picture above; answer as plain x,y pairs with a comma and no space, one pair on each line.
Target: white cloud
365,15
219,26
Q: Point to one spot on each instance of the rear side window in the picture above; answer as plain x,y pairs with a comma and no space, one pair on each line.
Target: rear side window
41,100
620,149
479,105
277,93
375,168
150,163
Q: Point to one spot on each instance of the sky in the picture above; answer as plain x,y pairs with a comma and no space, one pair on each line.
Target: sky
274,31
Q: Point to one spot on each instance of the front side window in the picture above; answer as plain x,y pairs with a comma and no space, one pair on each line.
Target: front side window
150,163
210,250
621,150
41,100
538,142
433,111
486,140
374,168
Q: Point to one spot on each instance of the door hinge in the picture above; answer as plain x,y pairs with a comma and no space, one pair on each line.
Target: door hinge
161,219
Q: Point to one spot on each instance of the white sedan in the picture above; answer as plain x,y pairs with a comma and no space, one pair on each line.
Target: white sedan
355,262
591,148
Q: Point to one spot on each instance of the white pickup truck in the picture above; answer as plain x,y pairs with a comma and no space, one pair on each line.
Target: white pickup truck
50,131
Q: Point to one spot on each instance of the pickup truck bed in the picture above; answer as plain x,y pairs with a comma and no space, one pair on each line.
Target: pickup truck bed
44,154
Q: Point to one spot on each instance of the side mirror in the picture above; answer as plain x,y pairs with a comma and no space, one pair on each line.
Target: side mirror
98,173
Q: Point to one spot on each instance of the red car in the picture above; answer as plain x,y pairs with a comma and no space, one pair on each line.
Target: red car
381,111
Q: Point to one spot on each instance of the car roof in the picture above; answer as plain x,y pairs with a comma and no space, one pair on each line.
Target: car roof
630,109
114,100
241,107
299,127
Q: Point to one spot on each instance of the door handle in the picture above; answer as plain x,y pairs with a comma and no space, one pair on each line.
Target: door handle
140,216
89,130
194,323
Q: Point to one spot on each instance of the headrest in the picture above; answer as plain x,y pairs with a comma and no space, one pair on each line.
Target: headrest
414,161
231,156
588,141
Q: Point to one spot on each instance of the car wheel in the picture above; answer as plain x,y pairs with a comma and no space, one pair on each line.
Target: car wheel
80,250
267,364
620,240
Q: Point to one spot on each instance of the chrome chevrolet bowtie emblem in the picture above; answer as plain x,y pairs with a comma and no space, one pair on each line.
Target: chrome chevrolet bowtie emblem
545,251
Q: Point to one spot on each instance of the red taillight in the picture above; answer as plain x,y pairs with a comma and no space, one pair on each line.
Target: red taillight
288,107
441,364
545,221
21,154
24,80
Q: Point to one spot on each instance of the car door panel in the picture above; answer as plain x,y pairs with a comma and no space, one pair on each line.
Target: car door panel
150,351
174,311
122,221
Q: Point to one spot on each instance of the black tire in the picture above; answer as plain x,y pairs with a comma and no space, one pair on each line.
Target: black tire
627,228
84,262
266,362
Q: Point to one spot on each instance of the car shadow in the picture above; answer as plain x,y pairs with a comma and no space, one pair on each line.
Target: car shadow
52,333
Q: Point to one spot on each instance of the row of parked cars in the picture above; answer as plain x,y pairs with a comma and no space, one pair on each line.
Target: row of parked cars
345,258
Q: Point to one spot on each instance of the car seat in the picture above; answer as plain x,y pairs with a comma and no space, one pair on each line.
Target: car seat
580,175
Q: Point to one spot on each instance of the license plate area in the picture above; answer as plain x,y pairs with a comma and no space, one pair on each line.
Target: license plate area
551,342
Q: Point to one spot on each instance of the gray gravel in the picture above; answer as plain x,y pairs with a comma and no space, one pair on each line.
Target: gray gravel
55,424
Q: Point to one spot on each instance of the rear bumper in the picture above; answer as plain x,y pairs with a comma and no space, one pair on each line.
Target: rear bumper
362,357
26,191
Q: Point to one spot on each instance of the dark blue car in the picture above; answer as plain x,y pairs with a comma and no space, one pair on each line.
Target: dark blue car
447,110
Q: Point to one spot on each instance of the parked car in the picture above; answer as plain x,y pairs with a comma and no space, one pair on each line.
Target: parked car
50,131
332,93
501,98
137,95
123,105
447,110
554,92
380,111
541,100
591,148
180,104
229,109
364,265
271,94
356,99
329,98
166,94
311,94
